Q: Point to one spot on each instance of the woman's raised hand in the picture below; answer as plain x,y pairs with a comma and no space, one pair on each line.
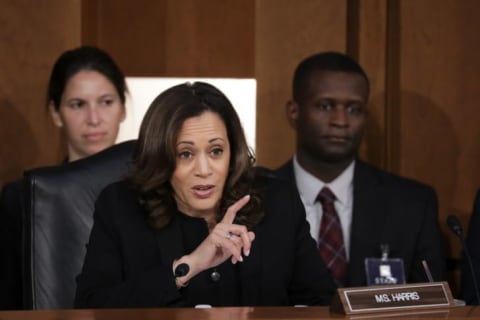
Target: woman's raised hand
232,238
226,240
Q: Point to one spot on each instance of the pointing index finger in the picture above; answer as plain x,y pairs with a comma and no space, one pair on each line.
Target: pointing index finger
234,208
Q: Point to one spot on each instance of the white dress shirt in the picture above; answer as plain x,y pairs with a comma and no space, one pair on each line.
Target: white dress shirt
309,186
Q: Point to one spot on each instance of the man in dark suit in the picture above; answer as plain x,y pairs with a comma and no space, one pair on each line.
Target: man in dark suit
378,212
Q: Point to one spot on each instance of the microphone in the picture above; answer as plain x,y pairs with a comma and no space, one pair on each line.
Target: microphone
456,227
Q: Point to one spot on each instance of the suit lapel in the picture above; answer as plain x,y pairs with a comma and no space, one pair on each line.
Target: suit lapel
368,215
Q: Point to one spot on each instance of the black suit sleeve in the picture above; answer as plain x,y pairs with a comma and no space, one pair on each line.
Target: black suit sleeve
472,243
11,246
389,209
429,246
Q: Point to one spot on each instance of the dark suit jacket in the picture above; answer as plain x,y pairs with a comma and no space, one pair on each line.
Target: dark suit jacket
11,209
472,243
388,209
129,264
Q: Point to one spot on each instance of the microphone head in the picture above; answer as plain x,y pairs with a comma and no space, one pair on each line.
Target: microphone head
454,225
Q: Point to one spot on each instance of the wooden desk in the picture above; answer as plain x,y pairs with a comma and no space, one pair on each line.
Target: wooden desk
257,313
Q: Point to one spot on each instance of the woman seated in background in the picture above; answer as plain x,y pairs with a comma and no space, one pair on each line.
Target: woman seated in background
194,224
86,98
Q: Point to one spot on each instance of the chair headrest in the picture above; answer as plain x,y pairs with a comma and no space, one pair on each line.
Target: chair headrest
99,166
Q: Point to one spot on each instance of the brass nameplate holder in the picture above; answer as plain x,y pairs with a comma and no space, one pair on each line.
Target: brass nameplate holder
393,298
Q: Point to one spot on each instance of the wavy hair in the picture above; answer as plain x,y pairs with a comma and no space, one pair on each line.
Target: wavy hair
155,155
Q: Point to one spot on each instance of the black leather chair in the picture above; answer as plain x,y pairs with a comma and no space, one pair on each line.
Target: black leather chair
57,222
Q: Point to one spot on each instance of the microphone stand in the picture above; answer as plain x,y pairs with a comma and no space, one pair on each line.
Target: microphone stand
456,228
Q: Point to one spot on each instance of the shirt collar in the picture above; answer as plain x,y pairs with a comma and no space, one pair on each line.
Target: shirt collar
308,185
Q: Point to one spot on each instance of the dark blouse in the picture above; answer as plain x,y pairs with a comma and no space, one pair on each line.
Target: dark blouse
205,288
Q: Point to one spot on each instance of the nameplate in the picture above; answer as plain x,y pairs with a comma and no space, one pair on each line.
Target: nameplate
393,298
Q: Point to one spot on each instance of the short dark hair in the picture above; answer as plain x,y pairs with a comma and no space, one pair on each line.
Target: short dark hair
324,61
83,58
155,155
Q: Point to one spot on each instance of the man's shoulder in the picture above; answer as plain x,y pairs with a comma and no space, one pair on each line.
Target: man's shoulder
271,181
285,171
366,172
121,189
264,175
282,175
11,196
12,186
279,194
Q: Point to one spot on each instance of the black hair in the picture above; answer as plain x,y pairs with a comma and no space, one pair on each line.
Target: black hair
324,61
83,58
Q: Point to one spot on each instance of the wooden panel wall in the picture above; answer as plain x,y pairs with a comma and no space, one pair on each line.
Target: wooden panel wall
285,33
368,24
438,103
32,33
187,38
439,87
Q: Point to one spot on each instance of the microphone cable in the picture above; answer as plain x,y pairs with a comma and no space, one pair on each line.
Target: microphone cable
456,228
